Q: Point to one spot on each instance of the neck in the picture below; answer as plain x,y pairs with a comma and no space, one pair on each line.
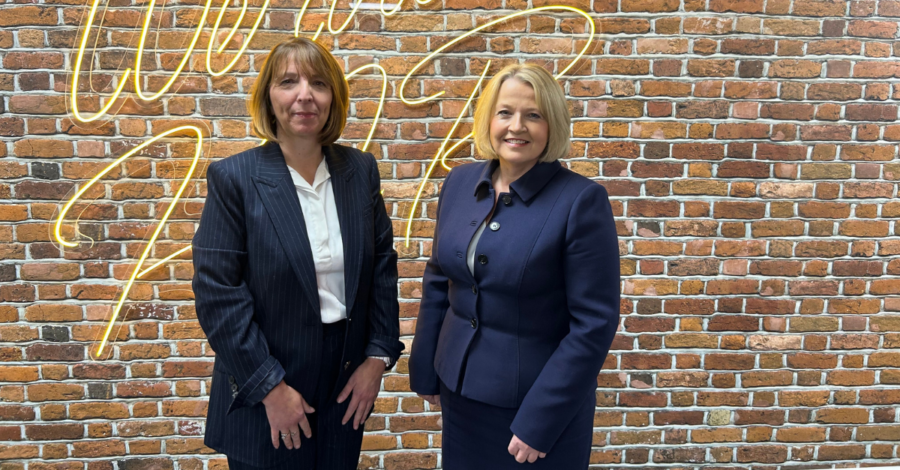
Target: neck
301,153
509,172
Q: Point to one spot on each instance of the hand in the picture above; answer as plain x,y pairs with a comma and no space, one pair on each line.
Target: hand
363,386
522,451
433,399
286,410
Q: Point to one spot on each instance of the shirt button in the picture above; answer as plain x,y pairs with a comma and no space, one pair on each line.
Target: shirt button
474,323
482,259
474,290
507,199
495,226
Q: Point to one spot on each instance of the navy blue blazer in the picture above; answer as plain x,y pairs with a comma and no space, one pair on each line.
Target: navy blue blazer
256,292
531,329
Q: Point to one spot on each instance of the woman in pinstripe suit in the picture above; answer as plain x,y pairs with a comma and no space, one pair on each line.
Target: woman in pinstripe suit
296,277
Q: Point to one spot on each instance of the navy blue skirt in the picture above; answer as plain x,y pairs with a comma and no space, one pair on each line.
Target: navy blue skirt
476,436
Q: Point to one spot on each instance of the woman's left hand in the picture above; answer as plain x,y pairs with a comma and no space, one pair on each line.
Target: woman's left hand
523,452
363,386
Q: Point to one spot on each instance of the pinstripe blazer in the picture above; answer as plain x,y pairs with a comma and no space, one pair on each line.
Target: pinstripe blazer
256,294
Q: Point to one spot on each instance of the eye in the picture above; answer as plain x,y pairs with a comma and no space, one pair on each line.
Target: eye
503,112
319,83
286,81
534,116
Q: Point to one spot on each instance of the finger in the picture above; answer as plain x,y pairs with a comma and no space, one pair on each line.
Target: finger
532,456
520,456
286,438
346,391
351,407
307,407
360,412
511,448
369,411
275,437
542,454
304,425
295,436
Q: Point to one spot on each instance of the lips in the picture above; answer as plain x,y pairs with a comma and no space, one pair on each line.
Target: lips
304,115
516,142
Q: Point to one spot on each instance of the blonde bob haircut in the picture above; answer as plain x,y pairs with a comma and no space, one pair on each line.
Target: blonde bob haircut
551,102
312,60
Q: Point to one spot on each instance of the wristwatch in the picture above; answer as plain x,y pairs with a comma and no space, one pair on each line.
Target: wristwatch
387,361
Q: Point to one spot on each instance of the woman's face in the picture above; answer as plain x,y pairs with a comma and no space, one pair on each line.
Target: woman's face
518,129
300,103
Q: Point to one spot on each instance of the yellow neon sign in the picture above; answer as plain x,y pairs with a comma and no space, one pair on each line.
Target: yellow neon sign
137,271
380,100
441,155
138,88
488,25
412,210
246,42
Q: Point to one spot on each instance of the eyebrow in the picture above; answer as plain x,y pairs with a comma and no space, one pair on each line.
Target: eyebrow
504,105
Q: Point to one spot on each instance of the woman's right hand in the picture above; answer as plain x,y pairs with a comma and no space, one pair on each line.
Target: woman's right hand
286,410
433,399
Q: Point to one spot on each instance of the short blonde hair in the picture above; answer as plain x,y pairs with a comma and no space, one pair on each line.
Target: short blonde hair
551,102
312,59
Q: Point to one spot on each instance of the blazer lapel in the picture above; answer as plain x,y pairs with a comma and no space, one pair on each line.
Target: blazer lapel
349,196
278,195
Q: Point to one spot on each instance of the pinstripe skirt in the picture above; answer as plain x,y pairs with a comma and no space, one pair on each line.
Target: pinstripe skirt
333,446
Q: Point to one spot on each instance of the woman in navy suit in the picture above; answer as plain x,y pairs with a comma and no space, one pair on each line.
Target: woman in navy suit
520,297
296,277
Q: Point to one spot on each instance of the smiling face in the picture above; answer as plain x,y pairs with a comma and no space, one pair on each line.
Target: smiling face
300,103
518,130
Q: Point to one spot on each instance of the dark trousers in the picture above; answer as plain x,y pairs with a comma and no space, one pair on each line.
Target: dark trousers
476,437
333,446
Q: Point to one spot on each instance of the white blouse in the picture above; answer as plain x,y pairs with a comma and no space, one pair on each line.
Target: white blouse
470,253
324,231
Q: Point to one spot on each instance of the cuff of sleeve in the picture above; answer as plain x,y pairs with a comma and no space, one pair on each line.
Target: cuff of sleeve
266,377
381,346
374,350
530,436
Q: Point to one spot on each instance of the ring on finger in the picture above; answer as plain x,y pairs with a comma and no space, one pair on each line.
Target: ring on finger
284,435
294,433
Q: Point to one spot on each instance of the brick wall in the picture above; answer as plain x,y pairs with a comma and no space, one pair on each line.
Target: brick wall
747,145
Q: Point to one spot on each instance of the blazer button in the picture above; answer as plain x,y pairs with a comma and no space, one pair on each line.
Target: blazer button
507,199
346,365
474,323
234,388
231,379
474,290
495,226
482,259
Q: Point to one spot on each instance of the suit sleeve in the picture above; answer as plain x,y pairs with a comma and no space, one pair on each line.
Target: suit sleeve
591,274
435,301
223,300
384,313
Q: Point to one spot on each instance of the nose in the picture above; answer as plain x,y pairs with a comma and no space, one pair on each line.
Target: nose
303,90
517,124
